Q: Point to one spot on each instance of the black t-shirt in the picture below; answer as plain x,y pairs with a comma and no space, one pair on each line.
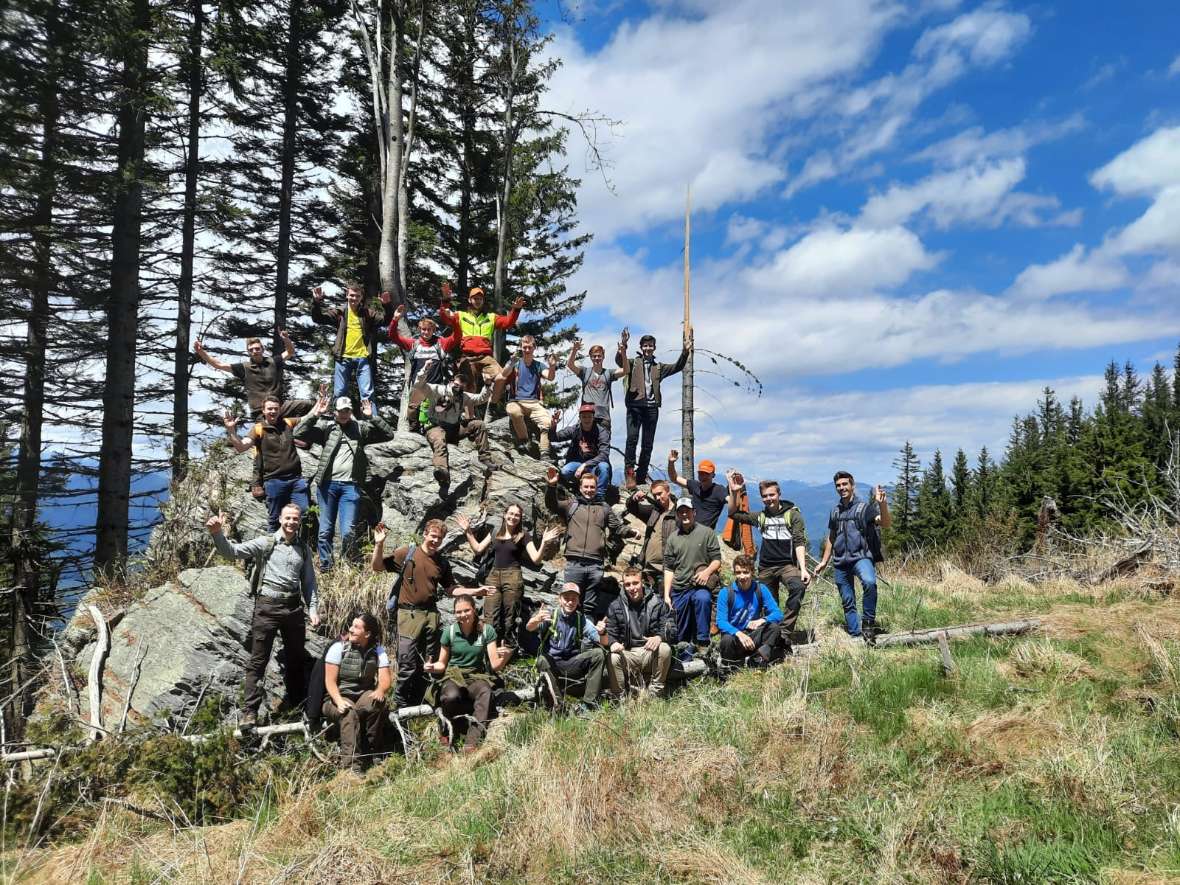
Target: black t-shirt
509,552
260,379
708,504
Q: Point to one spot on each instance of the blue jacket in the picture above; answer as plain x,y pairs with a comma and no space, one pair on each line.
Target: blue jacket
737,607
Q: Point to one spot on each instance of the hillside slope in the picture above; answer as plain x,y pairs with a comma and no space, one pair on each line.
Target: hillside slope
1049,757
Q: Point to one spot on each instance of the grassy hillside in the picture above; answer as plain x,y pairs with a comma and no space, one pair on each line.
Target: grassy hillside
1051,757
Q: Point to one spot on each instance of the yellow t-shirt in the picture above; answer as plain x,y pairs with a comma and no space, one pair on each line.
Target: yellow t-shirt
354,336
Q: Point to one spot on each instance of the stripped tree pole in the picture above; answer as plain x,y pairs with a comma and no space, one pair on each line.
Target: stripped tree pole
688,454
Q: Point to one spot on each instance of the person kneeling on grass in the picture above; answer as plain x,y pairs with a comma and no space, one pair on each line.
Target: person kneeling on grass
469,657
357,680
571,659
639,656
748,619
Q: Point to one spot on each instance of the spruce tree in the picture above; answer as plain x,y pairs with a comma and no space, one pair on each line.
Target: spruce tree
903,501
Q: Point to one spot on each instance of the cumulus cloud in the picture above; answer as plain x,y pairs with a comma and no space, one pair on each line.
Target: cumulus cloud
974,145
1076,271
1144,169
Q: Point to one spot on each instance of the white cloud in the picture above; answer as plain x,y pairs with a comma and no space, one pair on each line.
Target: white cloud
1145,168
973,145
977,195
985,36
1076,271
1156,230
1174,67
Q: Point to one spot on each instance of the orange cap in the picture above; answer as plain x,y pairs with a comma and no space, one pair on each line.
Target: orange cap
474,290
707,466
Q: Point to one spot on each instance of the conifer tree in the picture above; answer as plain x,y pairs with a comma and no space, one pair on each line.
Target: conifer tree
901,536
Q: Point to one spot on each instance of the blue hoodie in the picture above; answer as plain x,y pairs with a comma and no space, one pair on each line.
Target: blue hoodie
737,607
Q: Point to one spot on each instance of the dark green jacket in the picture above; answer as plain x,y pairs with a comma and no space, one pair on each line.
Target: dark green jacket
329,432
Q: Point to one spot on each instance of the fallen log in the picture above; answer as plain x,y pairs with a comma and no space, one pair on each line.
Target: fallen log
95,679
921,637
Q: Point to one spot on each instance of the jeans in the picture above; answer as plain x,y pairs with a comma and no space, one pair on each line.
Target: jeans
346,369
694,610
843,575
587,574
640,417
281,491
601,470
337,499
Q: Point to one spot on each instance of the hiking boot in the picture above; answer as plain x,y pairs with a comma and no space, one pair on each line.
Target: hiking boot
443,477
582,709
445,729
249,721
546,691
629,479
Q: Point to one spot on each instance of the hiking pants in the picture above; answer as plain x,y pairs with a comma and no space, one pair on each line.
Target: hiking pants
767,641
439,437
479,369
694,611
418,638
276,617
639,668
777,576
579,676
843,575
338,501
360,727
472,699
281,491
347,368
501,607
534,411
587,574
641,417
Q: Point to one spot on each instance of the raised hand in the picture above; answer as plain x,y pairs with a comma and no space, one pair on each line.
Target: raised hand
285,336
673,456
215,523
551,359
879,494
398,313
321,403
518,303
463,522
386,297
199,347
446,292
577,345
230,422
366,408
551,534
624,337
380,532
318,293
551,475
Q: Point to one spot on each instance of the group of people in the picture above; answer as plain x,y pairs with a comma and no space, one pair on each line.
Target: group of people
626,634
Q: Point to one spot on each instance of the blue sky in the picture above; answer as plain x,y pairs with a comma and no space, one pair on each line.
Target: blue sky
908,217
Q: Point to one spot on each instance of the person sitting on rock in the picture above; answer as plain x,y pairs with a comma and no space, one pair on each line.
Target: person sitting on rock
278,472
692,557
597,381
571,659
342,467
589,520
443,415
782,558
588,450
748,619
285,587
357,329
643,399
708,497
639,656
260,375
476,328
524,375
467,661
510,546
356,681
424,573
427,353
655,510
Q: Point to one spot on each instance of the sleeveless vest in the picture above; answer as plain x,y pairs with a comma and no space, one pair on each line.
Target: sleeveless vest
476,325
358,670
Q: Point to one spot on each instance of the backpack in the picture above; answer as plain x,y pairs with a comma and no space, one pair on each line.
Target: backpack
256,567
870,531
549,629
396,587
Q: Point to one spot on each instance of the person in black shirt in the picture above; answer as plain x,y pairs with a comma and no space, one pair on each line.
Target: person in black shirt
709,498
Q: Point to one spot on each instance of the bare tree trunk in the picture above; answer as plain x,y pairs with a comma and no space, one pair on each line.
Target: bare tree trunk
181,361
687,433
504,198
467,166
118,401
292,83
392,138
27,576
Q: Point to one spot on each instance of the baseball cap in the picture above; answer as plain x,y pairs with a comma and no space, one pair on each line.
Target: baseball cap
475,290
585,407
571,587
685,503
343,403
707,466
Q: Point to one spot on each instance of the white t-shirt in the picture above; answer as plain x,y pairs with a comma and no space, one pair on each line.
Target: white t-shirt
336,655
